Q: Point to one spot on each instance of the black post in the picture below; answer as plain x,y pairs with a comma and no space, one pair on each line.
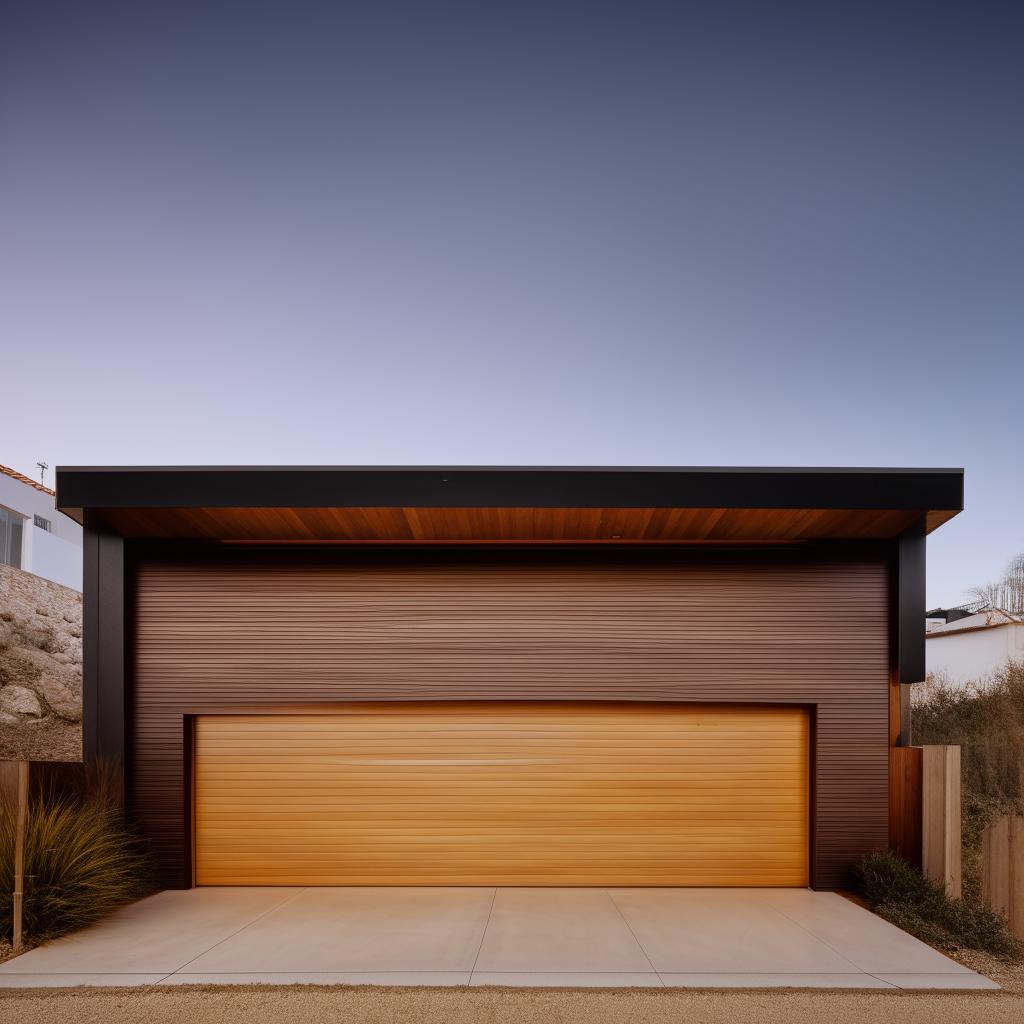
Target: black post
103,654
910,609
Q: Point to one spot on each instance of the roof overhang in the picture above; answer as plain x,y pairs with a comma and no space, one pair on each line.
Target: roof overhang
472,504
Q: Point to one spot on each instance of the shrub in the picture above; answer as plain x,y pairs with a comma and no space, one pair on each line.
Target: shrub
987,722
901,894
80,864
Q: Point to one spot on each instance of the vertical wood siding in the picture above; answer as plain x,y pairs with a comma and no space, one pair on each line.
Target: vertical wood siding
259,633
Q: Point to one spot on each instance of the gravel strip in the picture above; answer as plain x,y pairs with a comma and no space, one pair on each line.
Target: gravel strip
371,1005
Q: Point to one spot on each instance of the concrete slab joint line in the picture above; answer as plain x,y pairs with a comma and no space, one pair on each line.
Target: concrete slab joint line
483,934
287,899
477,936
631,932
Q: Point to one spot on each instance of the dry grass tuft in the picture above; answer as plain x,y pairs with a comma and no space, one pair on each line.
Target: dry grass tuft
80,864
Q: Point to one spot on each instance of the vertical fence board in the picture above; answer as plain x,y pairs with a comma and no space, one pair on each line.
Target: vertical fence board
940,817
1002,869
905,803
1016,859
8,786
53,778
995,866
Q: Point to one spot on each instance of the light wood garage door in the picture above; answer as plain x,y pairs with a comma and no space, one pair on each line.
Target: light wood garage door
504,794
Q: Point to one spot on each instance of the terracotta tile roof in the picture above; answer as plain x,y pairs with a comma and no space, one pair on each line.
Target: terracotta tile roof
7,471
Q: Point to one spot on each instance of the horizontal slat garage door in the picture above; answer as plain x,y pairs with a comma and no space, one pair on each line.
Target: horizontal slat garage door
504,794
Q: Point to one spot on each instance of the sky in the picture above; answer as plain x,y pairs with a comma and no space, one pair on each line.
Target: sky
525,233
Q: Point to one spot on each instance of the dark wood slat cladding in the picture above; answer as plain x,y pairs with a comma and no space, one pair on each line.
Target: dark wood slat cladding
272,631
523,525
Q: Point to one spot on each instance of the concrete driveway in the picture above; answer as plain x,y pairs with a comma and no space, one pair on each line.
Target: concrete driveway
736,938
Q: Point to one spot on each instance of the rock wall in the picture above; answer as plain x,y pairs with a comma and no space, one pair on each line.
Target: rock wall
40,669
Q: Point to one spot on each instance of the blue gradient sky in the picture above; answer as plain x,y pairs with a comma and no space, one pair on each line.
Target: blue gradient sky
587,233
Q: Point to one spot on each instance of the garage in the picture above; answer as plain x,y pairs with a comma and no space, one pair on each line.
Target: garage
522,676
504,793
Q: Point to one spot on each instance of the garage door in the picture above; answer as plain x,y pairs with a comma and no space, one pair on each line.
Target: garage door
504,794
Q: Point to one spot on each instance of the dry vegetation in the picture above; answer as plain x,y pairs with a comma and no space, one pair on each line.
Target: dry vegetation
902,895
987,722
81,862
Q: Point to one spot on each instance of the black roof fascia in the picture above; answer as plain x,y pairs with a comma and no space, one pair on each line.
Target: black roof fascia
81,487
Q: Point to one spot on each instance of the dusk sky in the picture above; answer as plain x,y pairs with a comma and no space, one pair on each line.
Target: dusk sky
551,233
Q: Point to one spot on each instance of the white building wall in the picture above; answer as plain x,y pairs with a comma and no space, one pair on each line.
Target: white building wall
971,655
55,554
56,559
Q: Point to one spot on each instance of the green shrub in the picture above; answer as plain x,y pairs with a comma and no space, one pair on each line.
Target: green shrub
901,894
884,878
80,864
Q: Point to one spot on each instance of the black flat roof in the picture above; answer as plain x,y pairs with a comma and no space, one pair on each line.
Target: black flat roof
150,487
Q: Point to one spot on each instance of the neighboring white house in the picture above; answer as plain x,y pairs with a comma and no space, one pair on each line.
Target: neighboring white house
34,536
971,647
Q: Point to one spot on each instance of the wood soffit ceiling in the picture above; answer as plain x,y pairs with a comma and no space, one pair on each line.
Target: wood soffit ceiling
424,525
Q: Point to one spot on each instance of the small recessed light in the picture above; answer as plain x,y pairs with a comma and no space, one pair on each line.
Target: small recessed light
616,536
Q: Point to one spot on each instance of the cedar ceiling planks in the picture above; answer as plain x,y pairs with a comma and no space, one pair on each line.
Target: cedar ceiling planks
515,525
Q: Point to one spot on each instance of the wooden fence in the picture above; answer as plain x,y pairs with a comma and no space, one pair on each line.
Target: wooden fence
1002,869
924,811
941,841
45,776
905,769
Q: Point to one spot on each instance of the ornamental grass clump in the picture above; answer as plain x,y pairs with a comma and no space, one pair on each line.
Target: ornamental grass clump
80,864
901,894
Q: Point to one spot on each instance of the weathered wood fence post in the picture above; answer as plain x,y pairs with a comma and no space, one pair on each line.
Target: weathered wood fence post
1002,869
940,817
20,814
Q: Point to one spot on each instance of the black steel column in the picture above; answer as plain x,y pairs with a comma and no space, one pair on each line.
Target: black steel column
103,651
910,609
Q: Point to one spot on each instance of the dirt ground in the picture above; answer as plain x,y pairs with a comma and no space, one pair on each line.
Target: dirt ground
1010,976
368,1005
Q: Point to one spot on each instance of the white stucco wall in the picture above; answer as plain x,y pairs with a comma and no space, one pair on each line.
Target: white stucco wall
55,554
56,559
970,655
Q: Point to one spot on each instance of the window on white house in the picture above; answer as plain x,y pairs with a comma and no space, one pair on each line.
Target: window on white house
12,531
43,524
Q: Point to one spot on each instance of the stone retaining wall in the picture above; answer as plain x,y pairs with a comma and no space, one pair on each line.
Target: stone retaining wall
40,669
